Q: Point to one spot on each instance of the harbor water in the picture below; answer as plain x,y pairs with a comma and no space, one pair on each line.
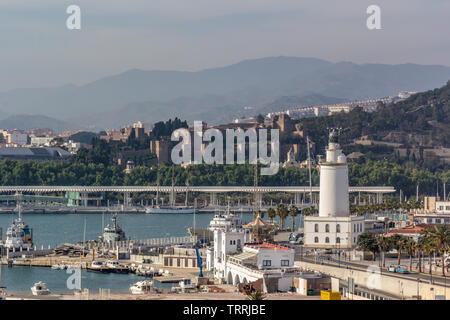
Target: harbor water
57,228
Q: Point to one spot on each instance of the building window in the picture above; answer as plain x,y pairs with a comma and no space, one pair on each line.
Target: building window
354,228
285,263
231,241
438,220
316,228
327,240
267,263
316,239
338,228
338,240
327,228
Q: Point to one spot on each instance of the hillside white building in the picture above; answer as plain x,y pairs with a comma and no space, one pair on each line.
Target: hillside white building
333,227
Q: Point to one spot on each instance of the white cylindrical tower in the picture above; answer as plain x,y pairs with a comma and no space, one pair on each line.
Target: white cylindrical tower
334,182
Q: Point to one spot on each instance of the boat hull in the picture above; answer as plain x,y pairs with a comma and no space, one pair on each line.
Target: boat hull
173,210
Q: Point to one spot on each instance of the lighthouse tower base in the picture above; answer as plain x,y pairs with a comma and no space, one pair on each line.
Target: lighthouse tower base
332,232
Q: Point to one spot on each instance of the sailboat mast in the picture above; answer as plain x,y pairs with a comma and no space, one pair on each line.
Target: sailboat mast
172,194
84,235
157,184
187,188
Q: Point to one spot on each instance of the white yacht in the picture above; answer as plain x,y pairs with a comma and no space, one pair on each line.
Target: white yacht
141,287
40,289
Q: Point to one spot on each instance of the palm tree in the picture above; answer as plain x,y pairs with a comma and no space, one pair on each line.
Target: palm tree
256,295
398,242
282,213
428,249
441,236
410,249
385,245
419,249
293,211
271,213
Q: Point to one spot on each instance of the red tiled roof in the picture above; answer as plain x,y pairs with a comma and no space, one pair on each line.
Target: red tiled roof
411,229
265,245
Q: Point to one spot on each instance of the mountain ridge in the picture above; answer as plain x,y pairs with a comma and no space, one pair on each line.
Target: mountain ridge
218,93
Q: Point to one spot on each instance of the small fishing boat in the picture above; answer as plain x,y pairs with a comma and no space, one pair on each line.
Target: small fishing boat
98,266
116,267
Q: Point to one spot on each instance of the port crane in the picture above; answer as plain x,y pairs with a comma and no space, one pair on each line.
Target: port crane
199,262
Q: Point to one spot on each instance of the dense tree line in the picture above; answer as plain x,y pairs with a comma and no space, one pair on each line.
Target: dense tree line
370,173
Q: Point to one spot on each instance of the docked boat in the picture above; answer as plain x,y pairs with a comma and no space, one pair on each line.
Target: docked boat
116,267
40,289
98,266
113,232
172,209
58,267
19,235
142,287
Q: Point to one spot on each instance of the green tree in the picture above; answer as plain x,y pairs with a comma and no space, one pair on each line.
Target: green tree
367,241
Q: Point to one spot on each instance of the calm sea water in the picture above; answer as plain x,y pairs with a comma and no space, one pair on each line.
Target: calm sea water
54,229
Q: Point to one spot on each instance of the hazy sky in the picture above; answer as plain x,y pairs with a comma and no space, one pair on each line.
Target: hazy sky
37,50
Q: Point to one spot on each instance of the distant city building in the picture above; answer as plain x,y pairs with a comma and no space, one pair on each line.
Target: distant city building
14,137
405,94
40,141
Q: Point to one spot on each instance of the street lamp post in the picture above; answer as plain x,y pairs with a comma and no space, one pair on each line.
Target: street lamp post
418,281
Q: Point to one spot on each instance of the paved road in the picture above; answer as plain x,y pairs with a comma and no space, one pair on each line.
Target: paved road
424,278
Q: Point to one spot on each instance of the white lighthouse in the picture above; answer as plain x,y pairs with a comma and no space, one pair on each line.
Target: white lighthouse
334,227
334,181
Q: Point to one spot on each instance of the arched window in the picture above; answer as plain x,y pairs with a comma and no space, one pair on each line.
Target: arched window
327,240
316,239
316,228
338,228
327,228
338,240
